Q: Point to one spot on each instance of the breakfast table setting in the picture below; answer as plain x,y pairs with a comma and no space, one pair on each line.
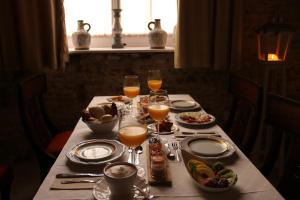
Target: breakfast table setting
250,184
155,146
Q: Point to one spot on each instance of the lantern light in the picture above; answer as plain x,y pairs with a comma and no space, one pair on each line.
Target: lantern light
273,40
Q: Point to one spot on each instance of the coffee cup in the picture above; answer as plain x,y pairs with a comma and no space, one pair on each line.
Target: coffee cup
120,178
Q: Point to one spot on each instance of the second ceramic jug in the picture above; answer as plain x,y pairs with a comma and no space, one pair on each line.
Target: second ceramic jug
157,36
81,38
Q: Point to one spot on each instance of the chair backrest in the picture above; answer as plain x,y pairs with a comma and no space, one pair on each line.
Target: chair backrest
32,110
283,121
244,117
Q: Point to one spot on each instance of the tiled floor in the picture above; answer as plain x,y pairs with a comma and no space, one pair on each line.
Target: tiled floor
26,179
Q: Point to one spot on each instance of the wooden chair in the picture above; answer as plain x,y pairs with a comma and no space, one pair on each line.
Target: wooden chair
283,123
6,177
244,118
46,140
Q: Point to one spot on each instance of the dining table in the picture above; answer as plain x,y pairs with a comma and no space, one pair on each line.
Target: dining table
251,184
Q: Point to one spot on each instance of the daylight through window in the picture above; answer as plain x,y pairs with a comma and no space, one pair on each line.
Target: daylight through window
135,15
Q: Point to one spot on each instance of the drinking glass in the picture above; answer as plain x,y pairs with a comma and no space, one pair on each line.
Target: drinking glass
154,79
132,133
158,106
131,88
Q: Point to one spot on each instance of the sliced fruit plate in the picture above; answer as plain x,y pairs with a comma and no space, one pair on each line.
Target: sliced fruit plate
212,178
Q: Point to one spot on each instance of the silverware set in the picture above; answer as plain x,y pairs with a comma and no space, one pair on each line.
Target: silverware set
175,147
172,151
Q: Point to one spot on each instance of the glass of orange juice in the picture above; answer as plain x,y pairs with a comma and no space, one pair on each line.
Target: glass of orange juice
158,106
132,134
154,79
131,88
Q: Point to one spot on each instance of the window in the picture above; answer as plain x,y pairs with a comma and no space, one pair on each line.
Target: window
135,16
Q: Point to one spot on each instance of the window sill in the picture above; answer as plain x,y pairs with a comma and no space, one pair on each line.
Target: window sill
123,50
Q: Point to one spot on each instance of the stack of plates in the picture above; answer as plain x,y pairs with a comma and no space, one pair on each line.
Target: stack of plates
207,147
184,105
95,152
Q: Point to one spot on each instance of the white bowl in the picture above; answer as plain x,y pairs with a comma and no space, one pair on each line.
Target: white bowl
99,127
188,156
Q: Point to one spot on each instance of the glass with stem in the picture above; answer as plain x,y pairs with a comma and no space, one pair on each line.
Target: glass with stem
154,79
132,133
131,88
158,106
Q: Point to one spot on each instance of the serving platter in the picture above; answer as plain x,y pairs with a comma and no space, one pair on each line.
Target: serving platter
96,152
195,118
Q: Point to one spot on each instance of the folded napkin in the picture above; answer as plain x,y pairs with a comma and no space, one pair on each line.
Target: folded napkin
57,185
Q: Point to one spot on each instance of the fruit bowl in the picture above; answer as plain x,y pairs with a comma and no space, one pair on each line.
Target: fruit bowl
211,177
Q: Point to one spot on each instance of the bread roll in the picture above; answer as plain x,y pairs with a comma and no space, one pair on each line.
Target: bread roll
106,118
96,112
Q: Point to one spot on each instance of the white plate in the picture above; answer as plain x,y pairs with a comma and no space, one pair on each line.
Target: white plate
152,128
124,99
119,105
72,155
93,151
219,148
208,146
181,121
184,105
101,190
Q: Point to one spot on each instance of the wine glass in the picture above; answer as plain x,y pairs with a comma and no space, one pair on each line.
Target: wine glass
132,133
131,88
154,79
158,106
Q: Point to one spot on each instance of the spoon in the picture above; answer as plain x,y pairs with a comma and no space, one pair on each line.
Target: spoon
170,155
146,195
138,150
130,155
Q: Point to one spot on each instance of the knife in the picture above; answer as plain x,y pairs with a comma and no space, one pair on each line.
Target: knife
184,136
77,175
198,133
78,181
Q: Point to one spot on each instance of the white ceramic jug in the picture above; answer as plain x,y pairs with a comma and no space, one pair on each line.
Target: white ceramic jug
81,38
157,36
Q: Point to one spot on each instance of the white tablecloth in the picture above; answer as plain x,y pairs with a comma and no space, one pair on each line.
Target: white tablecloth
251,183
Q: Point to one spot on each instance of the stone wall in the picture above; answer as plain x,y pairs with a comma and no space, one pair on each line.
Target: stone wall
93,74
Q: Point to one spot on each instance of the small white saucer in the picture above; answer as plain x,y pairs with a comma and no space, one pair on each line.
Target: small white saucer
101,190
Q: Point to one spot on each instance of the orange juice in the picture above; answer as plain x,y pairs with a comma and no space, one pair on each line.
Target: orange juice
158,112
133,135
132,91
154,84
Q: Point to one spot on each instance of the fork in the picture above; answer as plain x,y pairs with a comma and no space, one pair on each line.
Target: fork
175,147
